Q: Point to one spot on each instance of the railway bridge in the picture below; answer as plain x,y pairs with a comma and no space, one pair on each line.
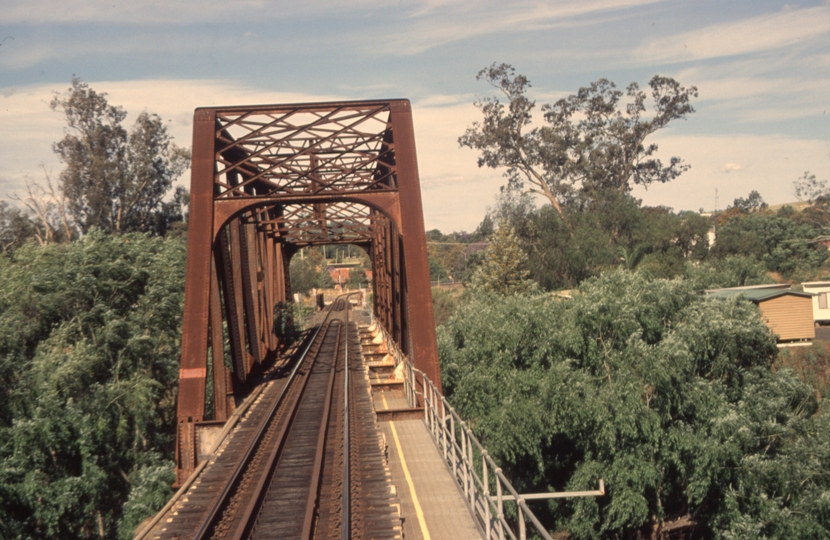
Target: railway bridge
343,433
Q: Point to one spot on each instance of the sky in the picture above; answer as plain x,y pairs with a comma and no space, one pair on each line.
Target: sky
762,69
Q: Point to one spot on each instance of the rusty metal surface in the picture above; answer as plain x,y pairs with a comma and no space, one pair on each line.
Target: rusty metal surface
267,181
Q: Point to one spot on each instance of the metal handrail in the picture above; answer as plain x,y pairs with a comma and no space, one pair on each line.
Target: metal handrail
458,446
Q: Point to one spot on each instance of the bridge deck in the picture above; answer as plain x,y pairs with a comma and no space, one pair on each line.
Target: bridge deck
431,503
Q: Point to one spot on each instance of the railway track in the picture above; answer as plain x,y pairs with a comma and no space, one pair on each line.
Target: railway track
307,463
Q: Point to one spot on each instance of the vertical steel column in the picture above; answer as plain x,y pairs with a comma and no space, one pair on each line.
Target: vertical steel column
231,282
223,401
418,294
247,257
269,263
191,403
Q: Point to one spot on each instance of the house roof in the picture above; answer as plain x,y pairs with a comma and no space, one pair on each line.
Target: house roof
755,295
776,286
816,284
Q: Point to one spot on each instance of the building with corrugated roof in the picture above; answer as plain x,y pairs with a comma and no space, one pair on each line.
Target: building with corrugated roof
788,313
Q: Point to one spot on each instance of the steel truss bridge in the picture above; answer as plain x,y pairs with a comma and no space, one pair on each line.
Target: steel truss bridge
281,440
266,182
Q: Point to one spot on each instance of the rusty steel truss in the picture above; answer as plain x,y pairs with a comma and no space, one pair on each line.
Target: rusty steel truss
267,181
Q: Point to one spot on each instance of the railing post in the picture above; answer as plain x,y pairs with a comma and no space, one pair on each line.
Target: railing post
499,504
522,529
452,445
444,425
485,479
471,467
429,406
413,385
465,469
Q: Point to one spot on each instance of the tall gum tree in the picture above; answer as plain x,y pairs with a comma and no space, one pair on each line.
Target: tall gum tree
114,179
591,142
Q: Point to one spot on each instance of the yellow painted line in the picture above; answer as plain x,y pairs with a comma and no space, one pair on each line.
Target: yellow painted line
418,510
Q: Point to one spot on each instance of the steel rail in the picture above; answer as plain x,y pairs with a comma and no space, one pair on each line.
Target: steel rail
259,492
346,508
313,500
209,521
229,425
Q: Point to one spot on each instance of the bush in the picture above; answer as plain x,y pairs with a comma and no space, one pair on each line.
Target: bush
666,395
89,349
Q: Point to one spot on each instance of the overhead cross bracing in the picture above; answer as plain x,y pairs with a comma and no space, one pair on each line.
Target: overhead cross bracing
266,182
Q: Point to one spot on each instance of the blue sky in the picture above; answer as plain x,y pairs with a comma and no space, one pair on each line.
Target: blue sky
762,69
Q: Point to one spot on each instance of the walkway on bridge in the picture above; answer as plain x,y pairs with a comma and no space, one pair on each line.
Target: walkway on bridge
431,502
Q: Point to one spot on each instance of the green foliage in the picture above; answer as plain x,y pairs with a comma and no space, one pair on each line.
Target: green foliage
114,180
503,269
357,277
437,272
309,271
444,303
612,230
16,227
89,354
666,395
781,244
752,203
732,271
811,363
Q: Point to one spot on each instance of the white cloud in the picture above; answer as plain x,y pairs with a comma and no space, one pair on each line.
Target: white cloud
455,191
768,164
450,21
761,33
136,11
757,92
195,11
25,113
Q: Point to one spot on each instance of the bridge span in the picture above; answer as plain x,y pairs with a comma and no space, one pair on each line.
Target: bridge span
343,433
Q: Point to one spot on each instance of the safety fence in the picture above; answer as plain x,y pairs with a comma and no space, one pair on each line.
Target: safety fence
486,489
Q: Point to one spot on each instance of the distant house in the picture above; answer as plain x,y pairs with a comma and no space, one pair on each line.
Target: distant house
788,313
821,308
339,274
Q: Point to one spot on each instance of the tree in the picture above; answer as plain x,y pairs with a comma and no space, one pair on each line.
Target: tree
437,272
15,227
303,275
357,277
503,269
593,140
815,193
782,244
47,207
810,189
665,394
90,336
114,180
752,203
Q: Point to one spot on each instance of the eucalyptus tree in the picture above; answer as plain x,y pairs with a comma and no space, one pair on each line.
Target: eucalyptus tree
591,142
114,179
